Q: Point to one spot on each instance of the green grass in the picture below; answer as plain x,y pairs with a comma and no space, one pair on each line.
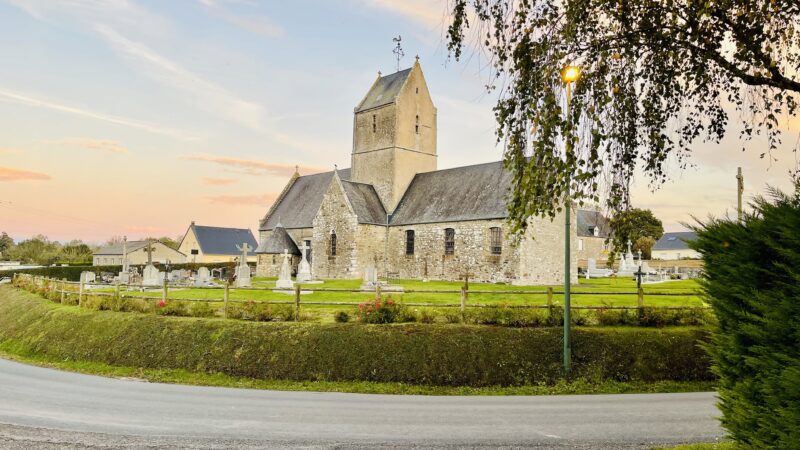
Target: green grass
593,292
14,351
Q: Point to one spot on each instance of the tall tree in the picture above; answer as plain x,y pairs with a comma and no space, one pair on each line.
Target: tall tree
635,226
36,250
5,243
655,77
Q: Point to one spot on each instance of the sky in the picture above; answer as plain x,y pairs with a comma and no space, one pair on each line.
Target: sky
136,117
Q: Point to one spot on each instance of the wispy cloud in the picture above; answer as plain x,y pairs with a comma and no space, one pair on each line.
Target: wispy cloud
131,123
253,167
91,144
218,181
246,200
425,12
11,174
251,22
206,94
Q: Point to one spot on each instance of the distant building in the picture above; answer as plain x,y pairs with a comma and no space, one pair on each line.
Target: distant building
111,255
673,246
593,234
203,244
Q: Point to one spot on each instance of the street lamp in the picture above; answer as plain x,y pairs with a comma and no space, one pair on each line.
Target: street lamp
569,75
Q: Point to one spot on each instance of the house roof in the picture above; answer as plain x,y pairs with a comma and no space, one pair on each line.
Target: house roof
297,208
277,241
463,193
675,241
116,249
366,203
588,220
384,91
223,241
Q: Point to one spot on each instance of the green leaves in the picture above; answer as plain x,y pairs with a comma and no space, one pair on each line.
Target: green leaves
655,78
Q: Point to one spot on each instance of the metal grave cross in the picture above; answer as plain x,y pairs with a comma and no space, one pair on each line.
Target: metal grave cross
639,274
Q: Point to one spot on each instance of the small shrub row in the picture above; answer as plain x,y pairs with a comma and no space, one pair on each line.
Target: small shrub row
261,312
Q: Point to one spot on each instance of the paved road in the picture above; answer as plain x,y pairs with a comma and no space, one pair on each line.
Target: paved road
45,408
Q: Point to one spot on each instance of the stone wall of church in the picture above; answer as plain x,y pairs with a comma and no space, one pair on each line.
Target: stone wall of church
334,216
270,265
592,247
472,252
541,252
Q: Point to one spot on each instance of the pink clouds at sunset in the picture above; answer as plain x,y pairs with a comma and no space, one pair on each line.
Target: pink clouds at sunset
253,167
91,144
218,181
264,200
11,174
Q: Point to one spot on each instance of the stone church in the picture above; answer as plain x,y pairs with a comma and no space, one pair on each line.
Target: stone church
394,211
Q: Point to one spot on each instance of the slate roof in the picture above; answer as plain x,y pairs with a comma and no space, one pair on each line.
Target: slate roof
223,241
462,193
384,91
116,249
588,220
277,241
300,204
675,241
366,203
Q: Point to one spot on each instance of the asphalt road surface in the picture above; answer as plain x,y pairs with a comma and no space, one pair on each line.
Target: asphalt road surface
44,408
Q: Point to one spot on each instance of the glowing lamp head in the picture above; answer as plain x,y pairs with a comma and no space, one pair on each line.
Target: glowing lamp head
570,74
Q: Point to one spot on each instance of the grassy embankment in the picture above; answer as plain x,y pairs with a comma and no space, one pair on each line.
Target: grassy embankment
420,359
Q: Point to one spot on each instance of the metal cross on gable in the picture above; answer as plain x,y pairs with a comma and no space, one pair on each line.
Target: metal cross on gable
398,50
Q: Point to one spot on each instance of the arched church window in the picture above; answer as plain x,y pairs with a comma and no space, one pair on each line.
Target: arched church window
449,241
333,244
374,123
409,242
416,127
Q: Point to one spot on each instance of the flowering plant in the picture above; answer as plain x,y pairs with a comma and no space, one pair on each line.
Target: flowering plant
377,311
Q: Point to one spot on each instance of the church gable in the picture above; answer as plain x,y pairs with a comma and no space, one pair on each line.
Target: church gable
335,233
298,205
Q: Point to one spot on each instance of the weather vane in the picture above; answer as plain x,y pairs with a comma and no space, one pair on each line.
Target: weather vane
398,50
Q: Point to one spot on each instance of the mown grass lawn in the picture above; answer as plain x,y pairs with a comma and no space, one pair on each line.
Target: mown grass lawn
593,292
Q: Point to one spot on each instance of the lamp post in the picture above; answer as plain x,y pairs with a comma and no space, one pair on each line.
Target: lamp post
569,75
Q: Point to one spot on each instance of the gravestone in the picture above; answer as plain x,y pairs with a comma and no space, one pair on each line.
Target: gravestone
125,273
150,276
370,277
304,269
203,277
593,271
88,277
285,276
627,266
243,269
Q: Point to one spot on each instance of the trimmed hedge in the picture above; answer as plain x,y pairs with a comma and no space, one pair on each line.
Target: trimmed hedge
752,279
438,354
73,273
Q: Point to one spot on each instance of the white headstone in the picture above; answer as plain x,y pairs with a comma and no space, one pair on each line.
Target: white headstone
243,270
203,277
285,276
88,277
370,275
304,269
150,276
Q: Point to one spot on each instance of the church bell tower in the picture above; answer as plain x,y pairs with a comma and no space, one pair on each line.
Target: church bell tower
394,134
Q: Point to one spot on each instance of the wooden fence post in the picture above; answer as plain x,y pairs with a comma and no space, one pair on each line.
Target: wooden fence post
225,300
296,302
550,300
378,292
80,293
63,288
640,301
463,303
165,293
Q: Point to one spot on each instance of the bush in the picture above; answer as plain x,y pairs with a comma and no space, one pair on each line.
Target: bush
752,280
135,305
341,316
172,308
98,303
452,354
377,311
201,309
261,312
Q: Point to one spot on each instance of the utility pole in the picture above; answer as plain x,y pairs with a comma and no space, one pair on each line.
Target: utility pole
739,192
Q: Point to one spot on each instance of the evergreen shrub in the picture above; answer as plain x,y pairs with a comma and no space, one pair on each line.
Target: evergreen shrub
752,281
